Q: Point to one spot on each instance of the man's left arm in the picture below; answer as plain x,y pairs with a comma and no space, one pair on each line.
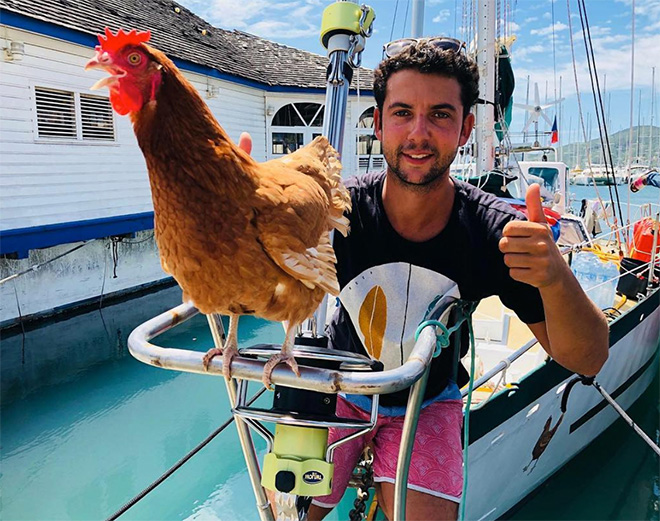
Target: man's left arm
575,332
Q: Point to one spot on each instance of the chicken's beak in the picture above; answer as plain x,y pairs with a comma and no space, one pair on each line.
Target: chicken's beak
103,61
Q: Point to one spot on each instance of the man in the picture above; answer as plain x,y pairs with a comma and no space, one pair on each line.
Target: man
417,233
414,222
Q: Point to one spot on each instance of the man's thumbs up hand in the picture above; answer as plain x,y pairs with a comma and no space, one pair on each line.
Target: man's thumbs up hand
528,248
534,207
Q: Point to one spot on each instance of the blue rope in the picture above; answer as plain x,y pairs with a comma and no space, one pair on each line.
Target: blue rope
442,338
466,423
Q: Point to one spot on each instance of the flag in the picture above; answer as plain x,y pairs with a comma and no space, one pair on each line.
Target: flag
555,133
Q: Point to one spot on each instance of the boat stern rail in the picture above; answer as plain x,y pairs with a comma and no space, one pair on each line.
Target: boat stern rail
311,378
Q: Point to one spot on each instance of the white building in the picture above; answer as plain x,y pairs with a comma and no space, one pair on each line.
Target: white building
70,168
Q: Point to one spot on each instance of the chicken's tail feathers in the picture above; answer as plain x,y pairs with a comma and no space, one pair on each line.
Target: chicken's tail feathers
314,267
341,224
340,198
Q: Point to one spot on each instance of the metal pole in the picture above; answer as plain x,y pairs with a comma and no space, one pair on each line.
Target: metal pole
627,418
486,110
263,505
406,446
417,18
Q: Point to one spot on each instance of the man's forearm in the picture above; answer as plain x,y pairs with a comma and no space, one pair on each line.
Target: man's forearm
577,329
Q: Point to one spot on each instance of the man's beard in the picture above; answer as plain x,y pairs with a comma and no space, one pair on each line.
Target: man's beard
439,169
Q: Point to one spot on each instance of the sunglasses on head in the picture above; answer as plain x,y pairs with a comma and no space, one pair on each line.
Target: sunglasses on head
440,42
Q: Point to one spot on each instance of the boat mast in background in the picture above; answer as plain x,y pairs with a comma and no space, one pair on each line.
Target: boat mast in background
417,18
485,124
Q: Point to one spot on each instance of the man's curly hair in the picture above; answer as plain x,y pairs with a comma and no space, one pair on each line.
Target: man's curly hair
429,59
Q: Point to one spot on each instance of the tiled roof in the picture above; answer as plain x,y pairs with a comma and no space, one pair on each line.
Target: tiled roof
178,32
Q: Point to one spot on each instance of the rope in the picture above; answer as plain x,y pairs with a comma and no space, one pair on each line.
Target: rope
37,266
180,463
591,380
442,339
466,422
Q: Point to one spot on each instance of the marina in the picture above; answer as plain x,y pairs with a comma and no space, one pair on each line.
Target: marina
81,441
105,385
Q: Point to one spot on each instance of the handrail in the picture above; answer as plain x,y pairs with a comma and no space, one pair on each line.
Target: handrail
311,378
412,374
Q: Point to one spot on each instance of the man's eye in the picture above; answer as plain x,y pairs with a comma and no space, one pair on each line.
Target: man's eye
441,115
401,113
134,58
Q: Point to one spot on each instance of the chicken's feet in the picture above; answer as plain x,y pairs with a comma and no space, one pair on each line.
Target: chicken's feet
229,350
286,356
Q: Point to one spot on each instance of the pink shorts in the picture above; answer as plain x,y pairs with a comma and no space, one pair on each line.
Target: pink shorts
436,466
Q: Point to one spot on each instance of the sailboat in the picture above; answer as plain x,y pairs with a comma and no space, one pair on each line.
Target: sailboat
527,415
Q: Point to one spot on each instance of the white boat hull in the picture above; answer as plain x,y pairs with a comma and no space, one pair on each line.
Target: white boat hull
497,481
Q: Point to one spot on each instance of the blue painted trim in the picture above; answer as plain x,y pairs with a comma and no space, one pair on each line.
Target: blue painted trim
34,25
22,240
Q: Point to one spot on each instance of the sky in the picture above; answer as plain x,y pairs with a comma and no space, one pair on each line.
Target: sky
536,25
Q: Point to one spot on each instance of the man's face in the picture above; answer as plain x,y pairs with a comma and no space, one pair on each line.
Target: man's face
421,127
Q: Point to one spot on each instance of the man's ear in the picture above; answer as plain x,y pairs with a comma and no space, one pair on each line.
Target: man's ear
378,124
468,125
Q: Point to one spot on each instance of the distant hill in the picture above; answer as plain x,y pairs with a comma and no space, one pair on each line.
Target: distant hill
574,154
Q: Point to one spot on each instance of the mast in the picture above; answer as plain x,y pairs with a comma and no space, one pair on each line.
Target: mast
345,28
652,110
417,18
484,131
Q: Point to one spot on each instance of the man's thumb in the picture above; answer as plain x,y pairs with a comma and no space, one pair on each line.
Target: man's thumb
534,208
245,142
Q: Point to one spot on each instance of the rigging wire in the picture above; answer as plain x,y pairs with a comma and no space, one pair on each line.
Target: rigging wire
579,101
396,8
405,20
599,108
632,102
180,463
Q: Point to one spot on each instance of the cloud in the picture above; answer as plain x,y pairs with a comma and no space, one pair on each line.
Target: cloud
274,20
523,52
531,19
559,26
274,29
442,16
511,26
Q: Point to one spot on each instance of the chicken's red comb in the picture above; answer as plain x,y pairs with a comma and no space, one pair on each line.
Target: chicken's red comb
113,42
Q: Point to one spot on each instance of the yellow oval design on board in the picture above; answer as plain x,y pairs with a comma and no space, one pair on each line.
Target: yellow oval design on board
372,320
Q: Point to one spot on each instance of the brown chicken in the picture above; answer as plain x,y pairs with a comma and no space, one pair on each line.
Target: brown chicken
240,237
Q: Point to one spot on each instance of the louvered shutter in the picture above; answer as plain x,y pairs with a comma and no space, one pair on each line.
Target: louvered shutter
96,118
56,113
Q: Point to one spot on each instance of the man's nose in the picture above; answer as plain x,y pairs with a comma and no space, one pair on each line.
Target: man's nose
420,128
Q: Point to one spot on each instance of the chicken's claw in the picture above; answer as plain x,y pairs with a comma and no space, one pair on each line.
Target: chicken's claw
228,354
287,358
210,355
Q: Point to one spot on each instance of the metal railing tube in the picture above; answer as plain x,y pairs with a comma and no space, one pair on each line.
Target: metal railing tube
312,378
501,366
407,443
263,505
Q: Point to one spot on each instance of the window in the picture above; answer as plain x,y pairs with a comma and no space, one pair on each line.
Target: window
72,116
286,142
370,155
56,113
96,118
294,125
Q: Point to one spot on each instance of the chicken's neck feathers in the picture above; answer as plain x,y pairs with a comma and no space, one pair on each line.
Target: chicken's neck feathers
179,127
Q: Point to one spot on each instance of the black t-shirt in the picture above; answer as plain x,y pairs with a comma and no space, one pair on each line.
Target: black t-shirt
387,281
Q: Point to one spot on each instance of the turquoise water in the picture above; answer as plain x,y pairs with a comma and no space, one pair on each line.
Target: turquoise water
85,427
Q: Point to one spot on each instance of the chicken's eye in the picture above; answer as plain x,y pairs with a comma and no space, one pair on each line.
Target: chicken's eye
134,58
